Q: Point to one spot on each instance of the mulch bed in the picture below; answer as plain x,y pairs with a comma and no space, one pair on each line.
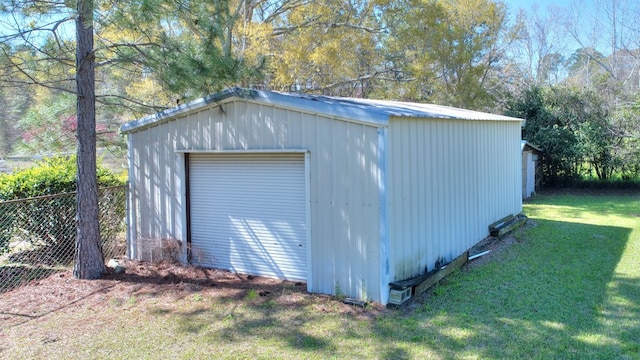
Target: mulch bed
61,290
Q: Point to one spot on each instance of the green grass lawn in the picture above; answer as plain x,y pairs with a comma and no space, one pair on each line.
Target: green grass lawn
568,287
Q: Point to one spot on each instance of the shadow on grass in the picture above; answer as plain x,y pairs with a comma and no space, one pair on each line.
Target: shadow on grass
22,267
554,293
14,276
246,321
279,311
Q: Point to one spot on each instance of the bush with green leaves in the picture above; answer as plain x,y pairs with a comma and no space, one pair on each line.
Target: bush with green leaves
49,176
49,220
580,132
553,133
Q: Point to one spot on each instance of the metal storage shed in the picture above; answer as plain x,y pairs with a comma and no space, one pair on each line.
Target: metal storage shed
345,194
531,169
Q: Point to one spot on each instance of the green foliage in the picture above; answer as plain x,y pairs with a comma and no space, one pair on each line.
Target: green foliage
327,47
49,127
545,129
575,127
627,122
586,114
582,64
12,103
49,176
188,49
50,221
449,48
251,295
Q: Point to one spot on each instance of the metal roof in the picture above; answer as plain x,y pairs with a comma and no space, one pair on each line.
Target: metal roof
375,112
525,143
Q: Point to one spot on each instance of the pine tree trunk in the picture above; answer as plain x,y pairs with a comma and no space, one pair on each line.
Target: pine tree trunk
89,261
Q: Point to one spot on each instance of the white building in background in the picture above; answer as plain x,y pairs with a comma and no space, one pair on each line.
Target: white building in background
531,171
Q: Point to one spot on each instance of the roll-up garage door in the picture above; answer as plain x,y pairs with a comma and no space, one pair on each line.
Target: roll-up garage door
248,213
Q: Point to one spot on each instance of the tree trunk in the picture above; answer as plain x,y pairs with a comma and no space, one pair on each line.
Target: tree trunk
89,261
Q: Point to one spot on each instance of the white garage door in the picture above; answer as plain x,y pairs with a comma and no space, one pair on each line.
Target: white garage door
248,213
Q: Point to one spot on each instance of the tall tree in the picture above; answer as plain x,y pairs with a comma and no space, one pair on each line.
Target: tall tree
609,28
190,49
539,45
327,47
451,48
583,67
555,135
180,45
89,261
39,52
13,100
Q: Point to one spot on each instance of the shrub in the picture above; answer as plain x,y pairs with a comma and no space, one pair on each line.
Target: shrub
50,176
50,221
614,184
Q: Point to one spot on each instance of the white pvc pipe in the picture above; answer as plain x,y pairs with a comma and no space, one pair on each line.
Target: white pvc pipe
478,255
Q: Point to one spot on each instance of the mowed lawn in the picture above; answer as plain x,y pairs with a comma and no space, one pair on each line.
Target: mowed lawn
566,287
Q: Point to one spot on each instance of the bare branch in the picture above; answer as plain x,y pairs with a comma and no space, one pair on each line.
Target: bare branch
101,99
286,30
282,8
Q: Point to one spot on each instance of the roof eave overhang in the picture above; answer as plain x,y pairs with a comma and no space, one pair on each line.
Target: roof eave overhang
178,111
298,103
361,111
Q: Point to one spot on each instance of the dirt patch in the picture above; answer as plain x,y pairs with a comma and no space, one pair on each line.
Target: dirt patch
495,246
162,280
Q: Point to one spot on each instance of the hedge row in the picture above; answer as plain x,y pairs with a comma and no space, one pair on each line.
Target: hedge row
50,176
50,222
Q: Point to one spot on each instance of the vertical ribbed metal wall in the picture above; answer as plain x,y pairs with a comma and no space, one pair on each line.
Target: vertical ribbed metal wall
343,172
443,182
447,181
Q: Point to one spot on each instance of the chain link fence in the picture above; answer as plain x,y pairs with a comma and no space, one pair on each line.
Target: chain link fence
37,235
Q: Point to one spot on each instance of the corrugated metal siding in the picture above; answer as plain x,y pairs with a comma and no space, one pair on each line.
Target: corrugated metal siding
155,189
344,218
528,174
248,213
447,181
531,176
